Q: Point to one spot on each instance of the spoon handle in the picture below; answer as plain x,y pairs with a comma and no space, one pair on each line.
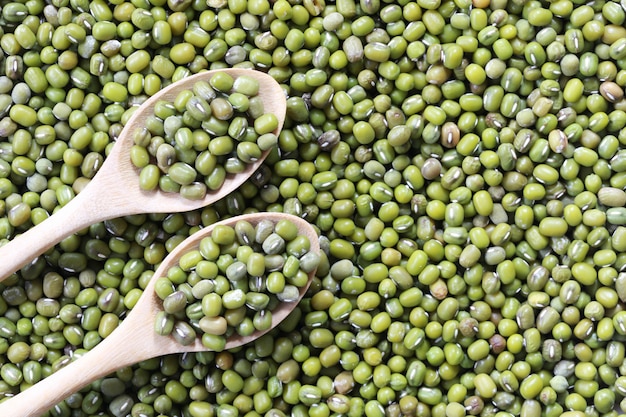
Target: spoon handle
128,344
82,211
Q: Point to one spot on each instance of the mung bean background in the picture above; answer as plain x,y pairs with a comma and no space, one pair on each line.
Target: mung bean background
463,161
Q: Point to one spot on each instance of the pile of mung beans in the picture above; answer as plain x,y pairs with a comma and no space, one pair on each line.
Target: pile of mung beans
463,160
229,285
213,130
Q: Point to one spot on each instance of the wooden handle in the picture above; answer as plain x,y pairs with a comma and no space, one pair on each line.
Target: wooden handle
133,341
32,243
36,400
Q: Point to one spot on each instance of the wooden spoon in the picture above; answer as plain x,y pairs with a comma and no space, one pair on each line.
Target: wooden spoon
114,191
135,339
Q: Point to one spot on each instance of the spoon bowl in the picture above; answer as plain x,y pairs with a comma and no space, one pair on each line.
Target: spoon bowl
114,191
136,340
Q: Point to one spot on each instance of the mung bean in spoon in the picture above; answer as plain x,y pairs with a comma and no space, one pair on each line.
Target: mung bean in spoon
137,337
121,188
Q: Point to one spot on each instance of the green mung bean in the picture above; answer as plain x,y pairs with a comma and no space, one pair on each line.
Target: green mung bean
558,66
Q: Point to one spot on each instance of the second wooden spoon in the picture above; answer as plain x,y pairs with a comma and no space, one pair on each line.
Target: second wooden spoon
136,340
115,192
